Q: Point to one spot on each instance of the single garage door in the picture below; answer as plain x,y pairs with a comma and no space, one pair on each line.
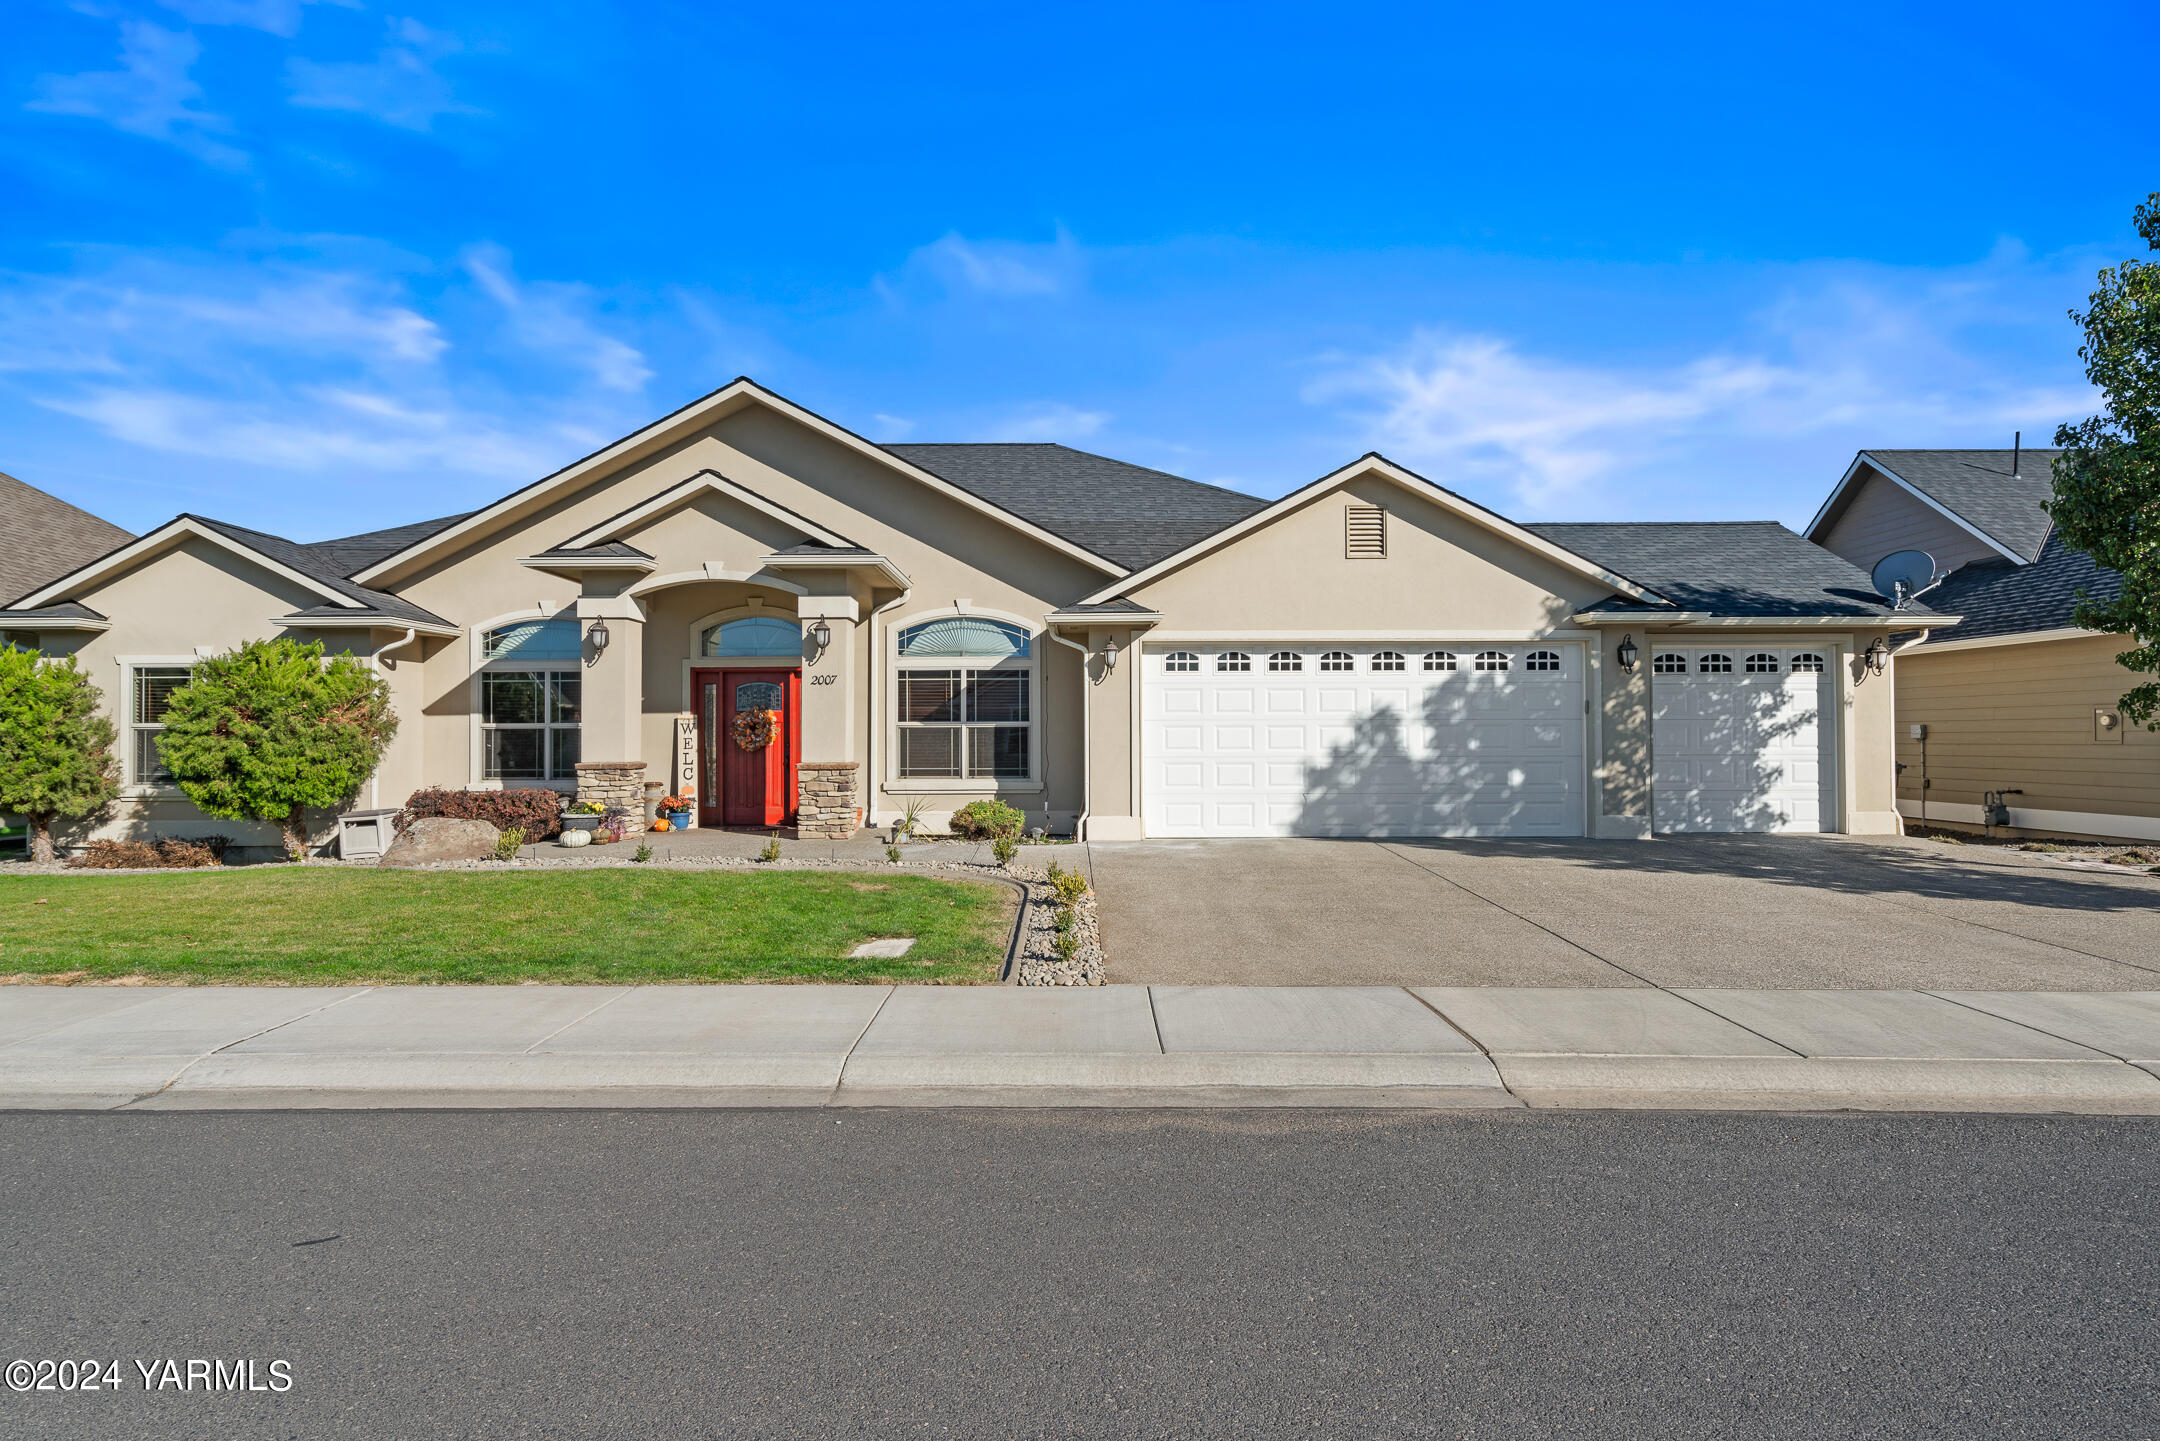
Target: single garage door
1304,739
1742,740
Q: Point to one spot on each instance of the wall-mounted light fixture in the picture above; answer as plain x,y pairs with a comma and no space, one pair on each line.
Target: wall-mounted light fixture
1627,654
1109,656
1877,655
598,636
821,636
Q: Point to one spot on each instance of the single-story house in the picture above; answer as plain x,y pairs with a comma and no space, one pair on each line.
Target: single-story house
2016,698
1102,645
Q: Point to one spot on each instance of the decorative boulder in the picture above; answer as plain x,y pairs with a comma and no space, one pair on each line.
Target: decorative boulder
437,840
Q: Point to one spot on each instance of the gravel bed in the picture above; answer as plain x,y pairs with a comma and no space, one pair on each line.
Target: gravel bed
1040,964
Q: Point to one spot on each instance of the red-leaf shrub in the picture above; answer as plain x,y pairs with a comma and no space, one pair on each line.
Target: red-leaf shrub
538,813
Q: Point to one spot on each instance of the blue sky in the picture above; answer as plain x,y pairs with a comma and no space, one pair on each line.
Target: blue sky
320,267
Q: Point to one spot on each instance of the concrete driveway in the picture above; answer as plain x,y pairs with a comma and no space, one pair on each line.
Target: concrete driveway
1820,912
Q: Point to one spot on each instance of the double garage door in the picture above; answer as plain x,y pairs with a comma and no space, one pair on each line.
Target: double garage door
1473,739
1304,739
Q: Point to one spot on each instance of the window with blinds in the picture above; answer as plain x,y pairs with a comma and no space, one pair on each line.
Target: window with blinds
1365,532
153,687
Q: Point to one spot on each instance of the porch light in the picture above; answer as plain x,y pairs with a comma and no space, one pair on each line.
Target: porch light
1109,656
1627,654
1878,653
598,635
821,635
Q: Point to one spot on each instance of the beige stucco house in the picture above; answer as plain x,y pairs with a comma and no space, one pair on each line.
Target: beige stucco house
1102,645
2016,699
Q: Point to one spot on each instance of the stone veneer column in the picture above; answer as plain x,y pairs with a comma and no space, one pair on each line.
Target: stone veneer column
829,802
615,783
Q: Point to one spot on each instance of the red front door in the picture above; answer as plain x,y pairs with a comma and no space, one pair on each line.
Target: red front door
738,787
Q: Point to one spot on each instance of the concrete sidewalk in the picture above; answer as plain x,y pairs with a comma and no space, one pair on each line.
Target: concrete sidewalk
142,1049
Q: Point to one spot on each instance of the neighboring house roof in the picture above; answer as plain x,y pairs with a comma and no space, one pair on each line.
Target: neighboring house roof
1975,488
1123,512
1728,568
45,537
1998,598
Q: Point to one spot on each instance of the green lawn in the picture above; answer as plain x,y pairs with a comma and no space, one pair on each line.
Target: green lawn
289,926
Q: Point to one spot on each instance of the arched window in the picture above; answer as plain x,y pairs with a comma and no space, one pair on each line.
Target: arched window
1233,660
1761,663
966,706
1337,660
1668,662
1491,660
1387,660
1181,660
1807,664
531,696
1542,660
1714,664
1286,660
965,635
1439,660
754,635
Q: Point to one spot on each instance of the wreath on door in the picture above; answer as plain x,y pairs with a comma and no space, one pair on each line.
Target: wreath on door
753,729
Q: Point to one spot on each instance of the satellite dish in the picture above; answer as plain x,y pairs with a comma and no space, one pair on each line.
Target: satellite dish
1903,575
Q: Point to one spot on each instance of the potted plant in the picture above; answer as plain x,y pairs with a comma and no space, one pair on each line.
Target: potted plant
583,816
675,810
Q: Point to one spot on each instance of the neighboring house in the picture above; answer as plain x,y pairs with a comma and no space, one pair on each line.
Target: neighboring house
1094,642
2015,698
44,537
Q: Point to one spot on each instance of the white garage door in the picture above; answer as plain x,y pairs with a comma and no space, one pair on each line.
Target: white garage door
1469,739
1742,739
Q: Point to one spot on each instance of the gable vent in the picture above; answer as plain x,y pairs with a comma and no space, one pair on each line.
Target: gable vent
1365,532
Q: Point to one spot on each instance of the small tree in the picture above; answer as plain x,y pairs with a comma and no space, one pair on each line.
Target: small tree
273,728
2107,480
56,751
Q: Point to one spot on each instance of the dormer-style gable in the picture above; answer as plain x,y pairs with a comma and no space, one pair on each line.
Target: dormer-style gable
1957,505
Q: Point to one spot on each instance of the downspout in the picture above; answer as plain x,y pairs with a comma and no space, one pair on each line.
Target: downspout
1087,744
874,782
1896,814
412,632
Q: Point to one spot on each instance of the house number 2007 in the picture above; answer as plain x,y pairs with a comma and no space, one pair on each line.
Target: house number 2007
826,679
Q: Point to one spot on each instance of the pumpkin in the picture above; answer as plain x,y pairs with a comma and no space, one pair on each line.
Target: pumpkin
660,824
574,839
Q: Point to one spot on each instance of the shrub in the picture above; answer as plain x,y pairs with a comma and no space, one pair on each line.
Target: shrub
508,843
1067,944
169,854
1069,885
56,751
2046,846
273,729
642,854
1063,921
538,813
892,853
1004,848
771,852
987,820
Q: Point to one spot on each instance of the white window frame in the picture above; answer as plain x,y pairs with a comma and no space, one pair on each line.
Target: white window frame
1285,662
1335,662
476,643
1389,662
1031,667
1181,662
131,784
1233,662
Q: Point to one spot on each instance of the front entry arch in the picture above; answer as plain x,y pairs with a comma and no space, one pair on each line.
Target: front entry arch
738,787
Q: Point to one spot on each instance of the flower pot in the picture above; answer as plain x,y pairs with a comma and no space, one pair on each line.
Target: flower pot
571,822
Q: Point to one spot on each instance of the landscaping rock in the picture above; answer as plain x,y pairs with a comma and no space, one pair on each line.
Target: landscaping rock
441,841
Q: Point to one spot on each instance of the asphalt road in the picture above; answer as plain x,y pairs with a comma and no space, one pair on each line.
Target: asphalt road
1098,1274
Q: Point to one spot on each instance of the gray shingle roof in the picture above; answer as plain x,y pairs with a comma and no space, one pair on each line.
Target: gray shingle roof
318,564
607,550
1745,568
1977,486
1998,598
1124,513
63,610
45,538
353,553
1122,605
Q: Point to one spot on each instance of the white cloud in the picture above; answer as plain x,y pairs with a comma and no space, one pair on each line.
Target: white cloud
894,427
151,94
1001,269
552,318
1862,357
277,17
400,86
1050,422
